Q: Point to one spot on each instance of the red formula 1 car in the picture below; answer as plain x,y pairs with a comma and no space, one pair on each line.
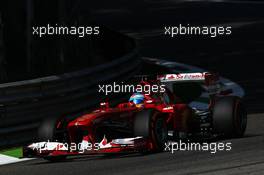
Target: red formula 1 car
145,123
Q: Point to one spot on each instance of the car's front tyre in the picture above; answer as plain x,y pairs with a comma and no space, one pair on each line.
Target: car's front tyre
151,124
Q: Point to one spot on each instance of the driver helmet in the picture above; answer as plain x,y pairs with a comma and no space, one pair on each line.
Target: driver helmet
137,99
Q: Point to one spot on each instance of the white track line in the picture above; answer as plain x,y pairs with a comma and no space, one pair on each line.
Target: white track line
8,159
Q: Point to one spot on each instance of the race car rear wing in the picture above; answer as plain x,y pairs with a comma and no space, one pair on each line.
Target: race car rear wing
210,80
206,77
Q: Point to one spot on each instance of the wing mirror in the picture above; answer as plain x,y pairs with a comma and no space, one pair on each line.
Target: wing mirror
104,105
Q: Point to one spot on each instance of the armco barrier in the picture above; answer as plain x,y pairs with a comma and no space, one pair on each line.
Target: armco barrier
24,104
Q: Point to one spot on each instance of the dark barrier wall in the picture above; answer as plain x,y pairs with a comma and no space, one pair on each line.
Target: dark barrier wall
28,56
24,104
72,67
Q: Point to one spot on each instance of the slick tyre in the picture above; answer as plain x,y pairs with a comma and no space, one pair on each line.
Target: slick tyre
151,124
53,129
229,117
46,130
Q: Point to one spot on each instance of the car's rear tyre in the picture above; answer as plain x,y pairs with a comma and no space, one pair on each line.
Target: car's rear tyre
229,117
151,124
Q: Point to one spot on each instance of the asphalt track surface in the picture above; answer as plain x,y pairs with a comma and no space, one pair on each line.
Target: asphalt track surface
246,156
238,57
